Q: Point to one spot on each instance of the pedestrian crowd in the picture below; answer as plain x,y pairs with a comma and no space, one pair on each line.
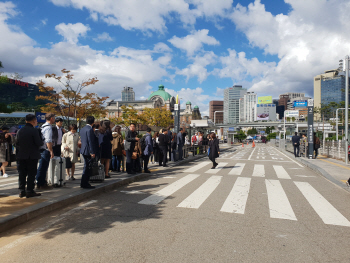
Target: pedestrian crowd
97,141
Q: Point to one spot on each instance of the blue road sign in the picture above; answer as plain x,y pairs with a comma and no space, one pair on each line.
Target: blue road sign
262,132
40,117
231,129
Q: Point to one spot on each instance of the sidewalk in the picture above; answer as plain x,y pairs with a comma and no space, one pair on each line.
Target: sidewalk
15,210
334,170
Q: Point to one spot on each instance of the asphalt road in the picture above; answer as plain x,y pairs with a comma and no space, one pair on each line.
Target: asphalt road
257,206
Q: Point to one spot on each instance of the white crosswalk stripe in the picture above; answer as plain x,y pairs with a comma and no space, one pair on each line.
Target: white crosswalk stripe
197,198
281,172
169,190
237,170
237,199
322,207
217,169
278,201
259,170
196,167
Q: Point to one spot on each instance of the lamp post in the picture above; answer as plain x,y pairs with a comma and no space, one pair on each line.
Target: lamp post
346,107
336,120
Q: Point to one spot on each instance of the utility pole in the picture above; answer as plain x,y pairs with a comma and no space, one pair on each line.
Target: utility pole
346,107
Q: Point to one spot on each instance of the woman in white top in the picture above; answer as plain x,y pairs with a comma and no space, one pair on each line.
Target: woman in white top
70,148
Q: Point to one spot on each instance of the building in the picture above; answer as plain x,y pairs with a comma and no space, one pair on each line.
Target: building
329,75
247,107
266,112
283,100
293,95
128,94
299,102
333,89
231,103
216,105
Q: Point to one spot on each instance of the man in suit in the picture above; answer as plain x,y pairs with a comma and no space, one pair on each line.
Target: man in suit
296,144
170,137
28,153
163,146
88,150
148,150
130,141
57,134
180,143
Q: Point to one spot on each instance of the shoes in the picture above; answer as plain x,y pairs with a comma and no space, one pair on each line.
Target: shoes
44,187
32,194
213,167
107,176
5,175
165,165
348,182
147,171
72,178
22,194
88,187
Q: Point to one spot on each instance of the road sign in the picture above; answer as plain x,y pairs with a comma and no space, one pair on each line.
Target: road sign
40,117
262,132
231,129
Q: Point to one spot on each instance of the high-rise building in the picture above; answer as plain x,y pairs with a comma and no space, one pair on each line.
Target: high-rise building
128,94
283,101
231,103
329,74
216,105
293,95
247,107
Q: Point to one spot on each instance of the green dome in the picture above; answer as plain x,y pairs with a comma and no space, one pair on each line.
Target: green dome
160,92
196,107
188,103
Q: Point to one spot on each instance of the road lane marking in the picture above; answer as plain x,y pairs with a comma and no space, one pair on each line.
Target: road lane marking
197,198
37,231
259,170
278,201
217,169
306,176
322,207
251,154
281,172
168,190
237,199
196,167
291,159
132,192
237,170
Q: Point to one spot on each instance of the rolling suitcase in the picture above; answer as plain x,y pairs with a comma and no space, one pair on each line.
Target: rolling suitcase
101,175
56,172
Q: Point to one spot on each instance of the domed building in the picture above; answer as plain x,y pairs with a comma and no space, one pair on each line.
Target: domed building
163,97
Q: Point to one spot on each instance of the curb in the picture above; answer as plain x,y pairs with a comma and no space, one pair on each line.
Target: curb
317,169
27,214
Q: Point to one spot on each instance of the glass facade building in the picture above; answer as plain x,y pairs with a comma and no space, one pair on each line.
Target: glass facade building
333,89
231,103
128,94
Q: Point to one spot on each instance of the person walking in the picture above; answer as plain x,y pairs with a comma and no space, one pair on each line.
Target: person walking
148,150
163,146
104,140
69,148
117,149
57,134
214,149
5,153
46,152
8,137
28,143
317,144
88,150
130,140
180,143
296,144
155,148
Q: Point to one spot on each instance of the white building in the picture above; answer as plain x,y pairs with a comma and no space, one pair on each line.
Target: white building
248,107
293,95
231,103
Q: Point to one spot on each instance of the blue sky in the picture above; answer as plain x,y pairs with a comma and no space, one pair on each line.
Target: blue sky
196,48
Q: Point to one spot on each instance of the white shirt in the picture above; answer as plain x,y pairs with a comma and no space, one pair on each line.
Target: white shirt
60,134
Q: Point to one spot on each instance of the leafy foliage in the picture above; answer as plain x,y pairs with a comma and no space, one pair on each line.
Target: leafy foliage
241,135
271,136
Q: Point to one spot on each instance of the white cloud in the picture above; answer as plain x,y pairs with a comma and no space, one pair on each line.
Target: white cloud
104,37
44,21
71,32
193,42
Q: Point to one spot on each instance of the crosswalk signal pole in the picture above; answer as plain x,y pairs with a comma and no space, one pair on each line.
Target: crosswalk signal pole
346,107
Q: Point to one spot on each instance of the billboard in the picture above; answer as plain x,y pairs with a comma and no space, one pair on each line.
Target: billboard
265,100
291,113
300,104
266,112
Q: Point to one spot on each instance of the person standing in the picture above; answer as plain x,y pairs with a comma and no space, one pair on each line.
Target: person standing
170,138
46,152
214,149
163,146
296,144
117,149
28,142
57,134
88,150
155,147
130,140
104,140
148,150
69,148
180,143
5,152
317,144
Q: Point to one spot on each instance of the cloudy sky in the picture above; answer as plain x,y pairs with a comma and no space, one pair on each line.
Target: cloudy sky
195,48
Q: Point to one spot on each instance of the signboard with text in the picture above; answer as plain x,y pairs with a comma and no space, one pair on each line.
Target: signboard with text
265,100
40,117
300,104
310,127
291,114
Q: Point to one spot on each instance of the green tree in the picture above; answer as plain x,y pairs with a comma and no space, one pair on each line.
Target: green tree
271,136
241,136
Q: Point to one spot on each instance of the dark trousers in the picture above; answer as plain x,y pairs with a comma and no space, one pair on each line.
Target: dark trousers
43,166
316,152
129,168
163,155
27,170
170,150
213,160
56,150
137,165
145,159
86,171
116,162
296,150
179,148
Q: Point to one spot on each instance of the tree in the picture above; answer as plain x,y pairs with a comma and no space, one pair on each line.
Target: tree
293,118
129,115
16,76
4,79
160,117
68,100
1,66
241,135
271,136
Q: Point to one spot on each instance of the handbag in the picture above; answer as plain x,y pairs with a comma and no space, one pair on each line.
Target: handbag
13,157
124,152
134,155
94,167
68,163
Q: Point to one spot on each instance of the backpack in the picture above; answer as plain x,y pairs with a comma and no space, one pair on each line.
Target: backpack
143,143
41,133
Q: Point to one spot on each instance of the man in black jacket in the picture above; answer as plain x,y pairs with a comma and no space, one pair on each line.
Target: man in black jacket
130,140
163,146
28,154
296,144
